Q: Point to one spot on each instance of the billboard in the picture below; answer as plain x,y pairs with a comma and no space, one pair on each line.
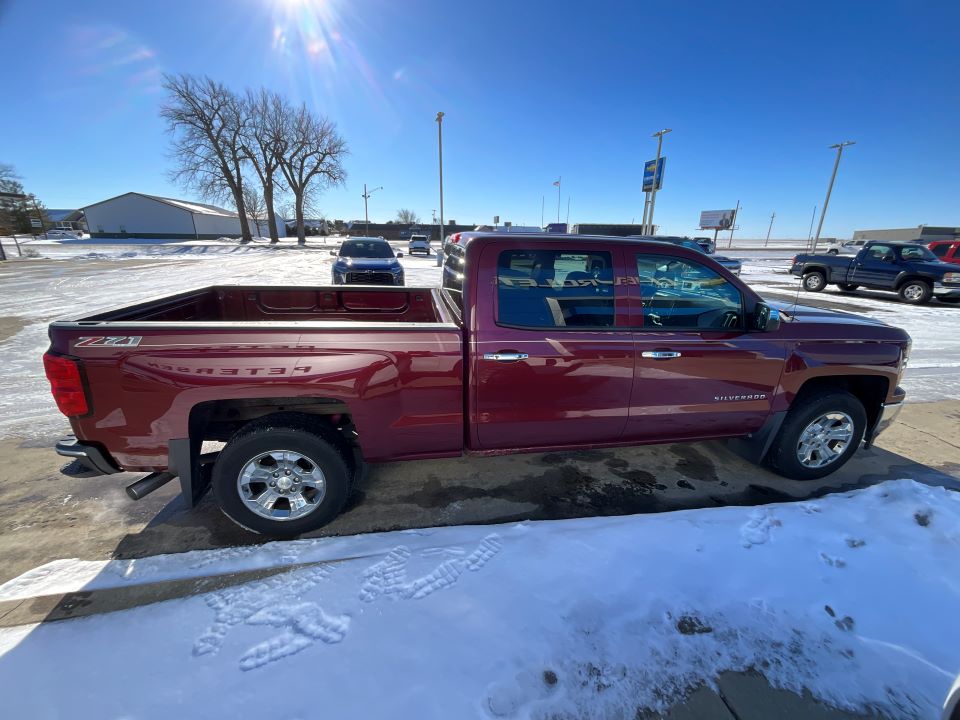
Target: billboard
717,219
648,174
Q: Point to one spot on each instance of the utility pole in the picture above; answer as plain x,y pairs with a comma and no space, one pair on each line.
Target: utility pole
366,215
568,212
656,176
559,181
772,216
733,224
810,231
440,151
826,202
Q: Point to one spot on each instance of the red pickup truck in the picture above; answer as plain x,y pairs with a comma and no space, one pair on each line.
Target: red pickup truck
532,343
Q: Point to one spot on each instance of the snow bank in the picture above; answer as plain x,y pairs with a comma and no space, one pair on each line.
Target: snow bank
852,596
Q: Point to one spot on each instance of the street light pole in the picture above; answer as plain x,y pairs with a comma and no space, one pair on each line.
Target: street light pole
656,168
440,150
826,202
559,181
772,216
366,215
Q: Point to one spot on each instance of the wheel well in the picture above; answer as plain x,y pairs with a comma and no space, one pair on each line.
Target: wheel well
218,420
815,268
914,277
870,390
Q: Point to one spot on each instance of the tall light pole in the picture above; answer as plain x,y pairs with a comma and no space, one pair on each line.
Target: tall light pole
366,214
656,172
440,149
772,216
826,202
810,231
557,183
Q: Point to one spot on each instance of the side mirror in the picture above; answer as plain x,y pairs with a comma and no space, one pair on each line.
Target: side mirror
399,254
766,318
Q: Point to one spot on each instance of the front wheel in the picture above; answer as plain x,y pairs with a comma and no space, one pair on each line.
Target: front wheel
814,281
916,292
819,435
280,479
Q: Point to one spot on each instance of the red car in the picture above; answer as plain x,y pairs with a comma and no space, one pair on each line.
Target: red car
946,250
533,343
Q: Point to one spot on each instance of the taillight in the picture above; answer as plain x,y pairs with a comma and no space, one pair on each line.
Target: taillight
455,238
795,259
66,385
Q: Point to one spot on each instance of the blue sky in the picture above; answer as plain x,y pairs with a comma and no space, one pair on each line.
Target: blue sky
754,93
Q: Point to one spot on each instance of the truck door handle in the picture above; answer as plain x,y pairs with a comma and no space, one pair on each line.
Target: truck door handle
660,354
505,356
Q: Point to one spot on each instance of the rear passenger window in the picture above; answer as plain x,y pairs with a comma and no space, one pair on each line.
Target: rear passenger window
552,288
940,250
683,294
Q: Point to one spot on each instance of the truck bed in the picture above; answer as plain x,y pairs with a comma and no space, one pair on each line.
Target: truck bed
236,303
391,357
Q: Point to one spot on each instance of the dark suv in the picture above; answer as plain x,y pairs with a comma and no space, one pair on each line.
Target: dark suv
367,261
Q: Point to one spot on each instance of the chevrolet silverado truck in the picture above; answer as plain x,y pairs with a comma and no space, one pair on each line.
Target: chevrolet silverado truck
908,269
533,342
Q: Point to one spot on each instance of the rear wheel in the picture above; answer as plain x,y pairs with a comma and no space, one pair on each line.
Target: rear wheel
281,479
833,252
819,435
916,292
848,287
814,281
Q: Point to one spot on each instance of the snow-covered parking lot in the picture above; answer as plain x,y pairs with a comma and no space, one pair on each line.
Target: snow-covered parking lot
849,597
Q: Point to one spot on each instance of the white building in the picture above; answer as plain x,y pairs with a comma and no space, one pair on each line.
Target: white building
150,216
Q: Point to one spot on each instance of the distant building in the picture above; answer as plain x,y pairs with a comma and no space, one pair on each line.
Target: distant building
921,232
136,214
67,219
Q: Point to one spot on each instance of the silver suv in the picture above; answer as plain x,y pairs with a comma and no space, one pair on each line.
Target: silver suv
419,243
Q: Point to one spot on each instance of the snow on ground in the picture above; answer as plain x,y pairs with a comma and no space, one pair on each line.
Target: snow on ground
851,596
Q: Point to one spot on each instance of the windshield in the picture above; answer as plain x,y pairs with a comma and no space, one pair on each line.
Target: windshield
917,253
366,249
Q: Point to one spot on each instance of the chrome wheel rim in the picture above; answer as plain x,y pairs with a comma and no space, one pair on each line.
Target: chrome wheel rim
814,282
913,292
825,439
281,485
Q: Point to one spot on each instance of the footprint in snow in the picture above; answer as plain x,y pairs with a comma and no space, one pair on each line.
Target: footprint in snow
756,531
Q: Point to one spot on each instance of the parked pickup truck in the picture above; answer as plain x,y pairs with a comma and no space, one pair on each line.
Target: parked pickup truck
910,270
534,342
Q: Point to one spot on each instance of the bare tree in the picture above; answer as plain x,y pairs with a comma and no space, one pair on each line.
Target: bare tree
255,205
311,155
408,217
207,122
262,139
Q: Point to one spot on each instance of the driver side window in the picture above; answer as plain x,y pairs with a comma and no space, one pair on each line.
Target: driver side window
681,294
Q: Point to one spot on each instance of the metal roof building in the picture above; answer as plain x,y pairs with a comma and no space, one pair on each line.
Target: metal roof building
921,232
139,215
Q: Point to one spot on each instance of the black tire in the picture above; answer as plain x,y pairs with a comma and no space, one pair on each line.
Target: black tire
916,292
833,252
783,456
847,287
814,281
283,432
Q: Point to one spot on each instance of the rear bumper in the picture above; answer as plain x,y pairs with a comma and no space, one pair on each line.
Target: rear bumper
89,455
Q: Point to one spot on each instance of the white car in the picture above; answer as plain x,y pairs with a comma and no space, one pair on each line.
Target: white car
419,243
851,247
57,234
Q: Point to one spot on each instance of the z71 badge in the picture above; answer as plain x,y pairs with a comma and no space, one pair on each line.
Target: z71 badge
110,341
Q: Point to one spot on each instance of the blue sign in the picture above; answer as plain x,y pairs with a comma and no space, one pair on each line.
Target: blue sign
648,174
